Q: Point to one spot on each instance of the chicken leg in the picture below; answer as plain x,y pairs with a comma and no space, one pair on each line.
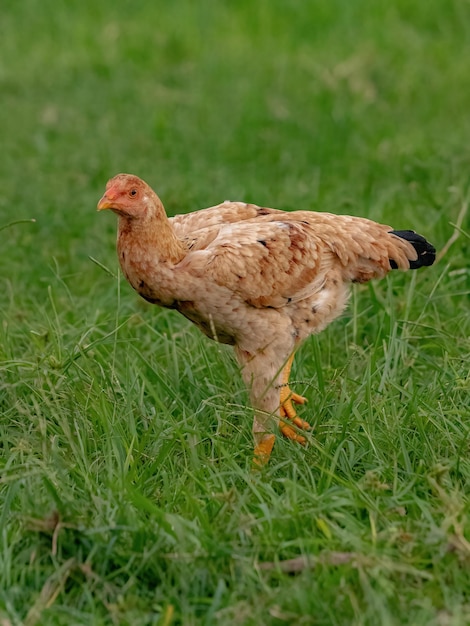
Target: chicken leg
286,409
264,446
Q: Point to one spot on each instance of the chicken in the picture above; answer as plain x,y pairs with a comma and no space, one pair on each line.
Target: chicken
261,280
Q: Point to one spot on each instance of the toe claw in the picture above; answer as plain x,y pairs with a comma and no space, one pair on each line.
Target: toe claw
298,399
300,423
290,433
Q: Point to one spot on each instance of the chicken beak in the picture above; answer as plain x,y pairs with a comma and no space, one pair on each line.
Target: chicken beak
105,203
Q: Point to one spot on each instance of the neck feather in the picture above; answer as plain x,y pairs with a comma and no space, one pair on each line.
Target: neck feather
154,233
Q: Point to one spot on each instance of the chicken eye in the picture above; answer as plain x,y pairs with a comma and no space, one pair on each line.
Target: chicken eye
133,192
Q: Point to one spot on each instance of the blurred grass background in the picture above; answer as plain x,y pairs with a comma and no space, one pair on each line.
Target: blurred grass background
126,495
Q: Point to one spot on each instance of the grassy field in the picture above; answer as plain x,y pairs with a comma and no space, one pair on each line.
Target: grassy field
126,495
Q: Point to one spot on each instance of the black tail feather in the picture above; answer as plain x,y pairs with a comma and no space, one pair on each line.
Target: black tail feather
426,251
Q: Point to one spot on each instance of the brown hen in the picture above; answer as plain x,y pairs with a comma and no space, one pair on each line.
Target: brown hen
259,279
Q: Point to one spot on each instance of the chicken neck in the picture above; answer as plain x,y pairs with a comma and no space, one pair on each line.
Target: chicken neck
152,236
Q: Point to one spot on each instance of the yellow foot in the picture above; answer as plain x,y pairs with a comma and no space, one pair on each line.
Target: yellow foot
287,410
263,450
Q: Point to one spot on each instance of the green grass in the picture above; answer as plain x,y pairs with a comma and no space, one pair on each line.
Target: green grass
126,495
